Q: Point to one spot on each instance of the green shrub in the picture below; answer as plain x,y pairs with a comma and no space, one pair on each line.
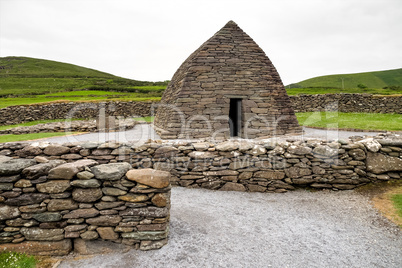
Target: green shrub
361,86
16,260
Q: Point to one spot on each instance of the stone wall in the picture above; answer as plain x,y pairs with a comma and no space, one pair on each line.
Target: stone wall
74,126
348,103
63,110
243,165
50,207
301,103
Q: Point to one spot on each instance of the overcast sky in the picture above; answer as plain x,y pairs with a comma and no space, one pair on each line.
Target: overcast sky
148,40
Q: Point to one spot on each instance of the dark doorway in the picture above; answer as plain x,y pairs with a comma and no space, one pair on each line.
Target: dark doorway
235,117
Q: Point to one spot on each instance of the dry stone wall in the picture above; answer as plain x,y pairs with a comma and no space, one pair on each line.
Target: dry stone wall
301,103
63,110
348,103
50,207
243,165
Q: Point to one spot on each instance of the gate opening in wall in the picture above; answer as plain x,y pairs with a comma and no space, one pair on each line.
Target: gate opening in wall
235,117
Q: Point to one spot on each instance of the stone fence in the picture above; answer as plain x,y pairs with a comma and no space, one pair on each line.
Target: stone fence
63,110
348,103
243,165
50,207
302,103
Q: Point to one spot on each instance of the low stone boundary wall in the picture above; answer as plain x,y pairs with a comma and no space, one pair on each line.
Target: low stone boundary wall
50,207
25,113
357,103
73,126
243,165
347,103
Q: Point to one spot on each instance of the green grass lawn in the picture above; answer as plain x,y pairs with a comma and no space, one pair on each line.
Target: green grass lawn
366,121
16,260
32,136
148,119
82,95
32,123
397,200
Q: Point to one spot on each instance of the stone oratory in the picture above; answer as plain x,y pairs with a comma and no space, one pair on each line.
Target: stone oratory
227,88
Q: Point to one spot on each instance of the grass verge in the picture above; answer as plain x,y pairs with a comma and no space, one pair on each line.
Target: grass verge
147,119
32,136
324,90
16,260
386,197
365,121
32,123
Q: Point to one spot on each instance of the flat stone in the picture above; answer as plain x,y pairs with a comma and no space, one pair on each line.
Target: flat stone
54,186
256,188
113,191
75,227
13,178
299,150
23,183
270,174
90,183
82,213
69,170
371,144
8,212
26,199
87,195
160,199
296,172
106,220
146,212
42,169
47,217
35,233
227,146
152,227
85,175
202,155
113,171
378,163
107,233
19,222
89,235
45,248
231,186
357,154
15,166
150,245
324,150
134,198
146,235
56,150
151,177
53,225
108,205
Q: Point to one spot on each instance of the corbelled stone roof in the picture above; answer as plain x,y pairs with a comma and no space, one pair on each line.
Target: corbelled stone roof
228,65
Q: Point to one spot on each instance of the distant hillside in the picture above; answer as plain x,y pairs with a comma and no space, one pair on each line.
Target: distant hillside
376,80
30,76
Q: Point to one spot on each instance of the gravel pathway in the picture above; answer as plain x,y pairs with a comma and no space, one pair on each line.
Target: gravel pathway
294,229
142,132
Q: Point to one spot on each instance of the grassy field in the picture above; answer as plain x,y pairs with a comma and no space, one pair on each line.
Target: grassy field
321,90
21,76
32,136
83,95
379,79
365,121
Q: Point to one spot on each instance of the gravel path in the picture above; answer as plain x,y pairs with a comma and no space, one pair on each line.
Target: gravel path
294,229
143,132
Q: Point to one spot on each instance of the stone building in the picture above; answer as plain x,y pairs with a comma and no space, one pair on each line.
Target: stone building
226,88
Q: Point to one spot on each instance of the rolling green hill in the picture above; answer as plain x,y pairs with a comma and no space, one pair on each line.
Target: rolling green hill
375,80
21,76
